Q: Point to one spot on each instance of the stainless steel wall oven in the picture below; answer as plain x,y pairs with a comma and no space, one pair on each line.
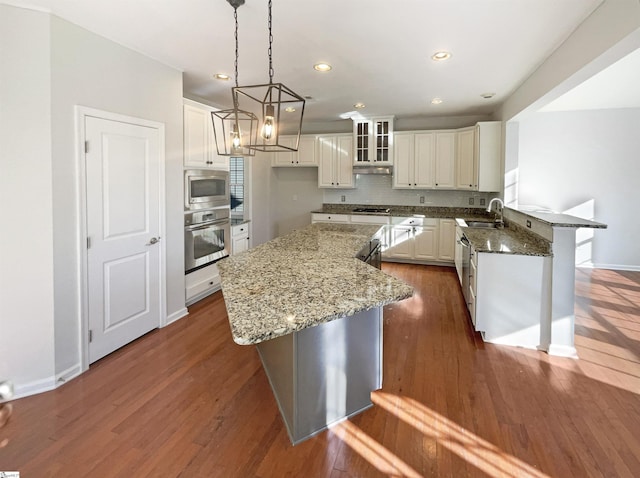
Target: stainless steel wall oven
207,237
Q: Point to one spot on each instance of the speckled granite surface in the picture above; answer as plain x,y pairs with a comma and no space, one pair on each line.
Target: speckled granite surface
399,211
302,279
564,220
510,240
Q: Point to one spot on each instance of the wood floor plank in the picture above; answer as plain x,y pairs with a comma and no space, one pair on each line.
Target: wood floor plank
186,401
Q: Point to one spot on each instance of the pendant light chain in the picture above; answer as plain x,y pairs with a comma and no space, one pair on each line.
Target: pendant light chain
270,49
235,16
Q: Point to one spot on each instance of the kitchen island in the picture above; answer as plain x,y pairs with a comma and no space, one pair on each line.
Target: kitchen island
315,313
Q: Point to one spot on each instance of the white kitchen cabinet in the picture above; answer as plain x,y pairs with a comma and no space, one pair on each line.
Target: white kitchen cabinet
199,140
466,175
488,153
411,238
335,166
304,157
201,283
505,314
373,141
414,160
239,238
339,218
447,240
445,149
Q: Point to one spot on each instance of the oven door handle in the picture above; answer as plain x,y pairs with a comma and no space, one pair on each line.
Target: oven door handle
205,225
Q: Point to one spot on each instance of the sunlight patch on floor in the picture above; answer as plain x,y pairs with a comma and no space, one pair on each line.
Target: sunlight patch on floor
372,451
476,451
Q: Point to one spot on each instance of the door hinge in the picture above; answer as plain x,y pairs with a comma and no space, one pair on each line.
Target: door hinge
90,336
86,147
88,242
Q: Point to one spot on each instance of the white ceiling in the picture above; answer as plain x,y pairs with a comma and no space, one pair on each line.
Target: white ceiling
380,50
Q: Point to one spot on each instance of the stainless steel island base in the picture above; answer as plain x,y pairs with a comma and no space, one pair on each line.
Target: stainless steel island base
324,374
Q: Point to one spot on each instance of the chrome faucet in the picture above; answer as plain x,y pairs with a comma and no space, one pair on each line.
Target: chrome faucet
500,219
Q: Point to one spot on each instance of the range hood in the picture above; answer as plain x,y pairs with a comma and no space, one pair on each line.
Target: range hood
371,169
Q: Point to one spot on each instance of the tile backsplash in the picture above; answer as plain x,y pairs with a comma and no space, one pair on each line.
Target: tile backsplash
376,189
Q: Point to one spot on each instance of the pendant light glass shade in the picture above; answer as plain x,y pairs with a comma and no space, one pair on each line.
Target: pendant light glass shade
233,130
279,111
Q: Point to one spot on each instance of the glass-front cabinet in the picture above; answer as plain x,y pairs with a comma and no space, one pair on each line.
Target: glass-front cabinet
373,140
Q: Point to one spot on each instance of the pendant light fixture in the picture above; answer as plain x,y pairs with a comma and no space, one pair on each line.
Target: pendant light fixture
278,108
234,129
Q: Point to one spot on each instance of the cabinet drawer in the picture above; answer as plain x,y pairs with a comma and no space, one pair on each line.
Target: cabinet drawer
202,280
329,218
239,231
415,221
361,219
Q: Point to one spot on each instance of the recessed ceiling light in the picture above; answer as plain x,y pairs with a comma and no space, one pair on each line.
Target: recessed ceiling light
359,105
436,101
221,76
441,56
486,96
289,109
322,67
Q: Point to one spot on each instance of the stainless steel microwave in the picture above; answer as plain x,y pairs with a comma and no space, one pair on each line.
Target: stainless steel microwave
205,189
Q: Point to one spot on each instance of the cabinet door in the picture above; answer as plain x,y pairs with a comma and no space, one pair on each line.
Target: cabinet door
326,155
447,240
400,242
424,147
488,155
343,162
403,174
196,136
307,151
286,158
465,159
425,243
445,160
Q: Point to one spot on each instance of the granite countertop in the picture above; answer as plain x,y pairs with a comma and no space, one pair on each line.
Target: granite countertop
237,221
511,239
563,220
303,279
435,212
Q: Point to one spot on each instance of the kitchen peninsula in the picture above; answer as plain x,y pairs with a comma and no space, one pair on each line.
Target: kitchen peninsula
315,313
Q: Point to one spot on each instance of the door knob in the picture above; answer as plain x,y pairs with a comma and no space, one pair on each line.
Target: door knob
153,240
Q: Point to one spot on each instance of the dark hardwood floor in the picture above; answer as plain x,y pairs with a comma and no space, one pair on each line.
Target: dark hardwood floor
186,401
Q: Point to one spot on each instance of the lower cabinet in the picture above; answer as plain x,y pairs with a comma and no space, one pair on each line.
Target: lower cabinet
201,283
239,238
447,240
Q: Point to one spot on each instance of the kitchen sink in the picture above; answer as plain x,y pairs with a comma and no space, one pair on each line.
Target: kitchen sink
482,224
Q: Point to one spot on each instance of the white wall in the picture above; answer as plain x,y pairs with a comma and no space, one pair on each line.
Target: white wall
54,66
294,195
588,158
26,238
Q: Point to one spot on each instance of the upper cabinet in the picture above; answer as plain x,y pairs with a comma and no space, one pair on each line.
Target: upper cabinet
488,154
335,162
413,159
466,177
467,158
373,141
305,156
199,141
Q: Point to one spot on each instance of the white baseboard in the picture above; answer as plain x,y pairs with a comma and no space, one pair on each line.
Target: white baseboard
46,384
176,316
22,390
614,267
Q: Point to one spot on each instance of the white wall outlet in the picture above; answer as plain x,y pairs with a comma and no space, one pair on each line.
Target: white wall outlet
343,198
471,201
483,201
421,199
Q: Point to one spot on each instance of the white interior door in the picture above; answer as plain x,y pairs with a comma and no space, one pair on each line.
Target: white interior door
123,227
